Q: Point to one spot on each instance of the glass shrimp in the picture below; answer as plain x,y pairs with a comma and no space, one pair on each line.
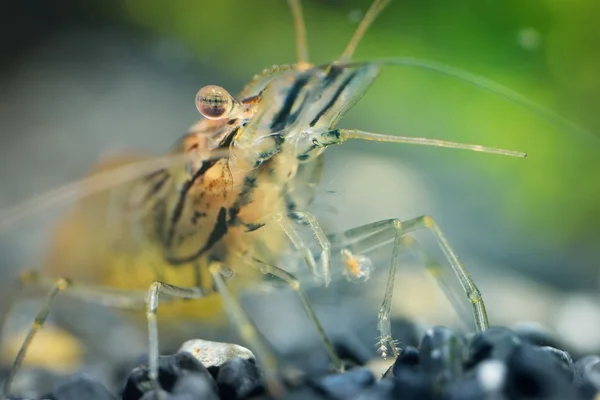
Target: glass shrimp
229,199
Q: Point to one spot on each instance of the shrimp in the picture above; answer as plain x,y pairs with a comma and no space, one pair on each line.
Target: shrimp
222,208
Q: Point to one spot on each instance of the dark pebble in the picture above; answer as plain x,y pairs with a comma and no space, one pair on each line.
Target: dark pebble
410,385
587,376
152,395
136,384
538,335
303,393
238,378
535,372
346,385
171,369
469,389
81,386
407,386
298,392
495,343
382,390
501,364
316,362
408,359
352,350
195,386
442,354
564,359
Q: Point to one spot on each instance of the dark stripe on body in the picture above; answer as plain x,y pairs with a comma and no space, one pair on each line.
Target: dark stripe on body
243,199
178,210
164,177
331,102
331,76
221,225
280,119
157,180
219,230
223,222
225,143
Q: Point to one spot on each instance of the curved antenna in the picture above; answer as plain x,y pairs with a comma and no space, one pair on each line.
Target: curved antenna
481,82
300,30
492,87
96,183
376,7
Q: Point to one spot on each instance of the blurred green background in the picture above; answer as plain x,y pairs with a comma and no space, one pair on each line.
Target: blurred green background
83,79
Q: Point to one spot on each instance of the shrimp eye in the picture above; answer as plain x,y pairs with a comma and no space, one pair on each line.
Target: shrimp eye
214,102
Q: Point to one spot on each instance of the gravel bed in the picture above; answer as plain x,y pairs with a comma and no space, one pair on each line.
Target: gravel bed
497,364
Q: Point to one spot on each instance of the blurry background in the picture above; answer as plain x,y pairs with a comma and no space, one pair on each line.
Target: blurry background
79,80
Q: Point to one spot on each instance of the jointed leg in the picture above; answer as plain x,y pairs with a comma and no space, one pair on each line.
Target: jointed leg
248,332
314,226
435,269
371,236
294,284
37,325
156,289
98,295
353,244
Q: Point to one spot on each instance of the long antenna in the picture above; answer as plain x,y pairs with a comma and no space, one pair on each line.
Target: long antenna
378,137
96,183
370,16
492,87
481,82
300,30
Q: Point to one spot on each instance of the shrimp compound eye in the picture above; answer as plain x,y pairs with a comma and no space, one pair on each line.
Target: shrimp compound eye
214,102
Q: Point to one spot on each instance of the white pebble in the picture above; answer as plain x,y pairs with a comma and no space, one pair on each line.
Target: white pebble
214,354
491,375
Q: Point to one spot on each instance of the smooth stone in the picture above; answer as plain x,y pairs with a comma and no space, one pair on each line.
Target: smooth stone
170,370
215,354
537,334
237,378
536,373
495,343
195,387
587,376
442,354
469,389
565,360
408,386
346,385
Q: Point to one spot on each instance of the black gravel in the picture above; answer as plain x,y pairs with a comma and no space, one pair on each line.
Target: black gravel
497,364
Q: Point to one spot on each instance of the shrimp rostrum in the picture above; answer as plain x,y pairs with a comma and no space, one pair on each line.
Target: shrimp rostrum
229,201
